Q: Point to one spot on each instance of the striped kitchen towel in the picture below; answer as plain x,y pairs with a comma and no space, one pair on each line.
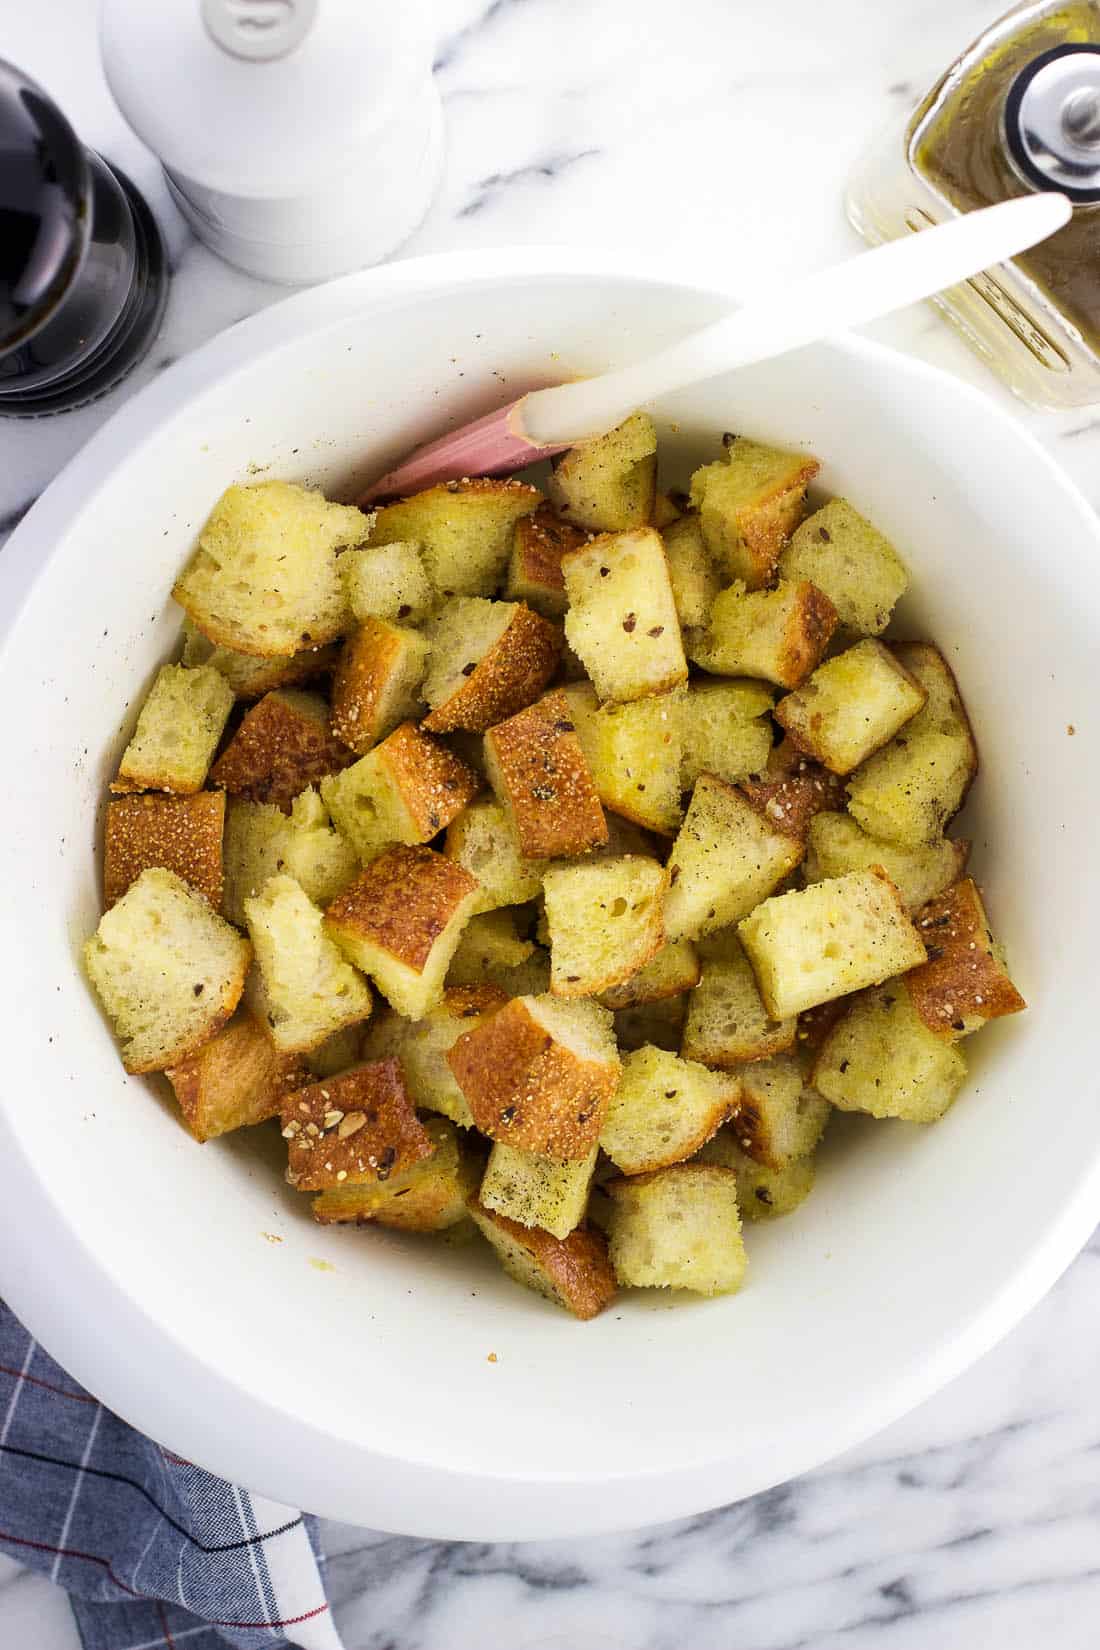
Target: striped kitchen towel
155,1553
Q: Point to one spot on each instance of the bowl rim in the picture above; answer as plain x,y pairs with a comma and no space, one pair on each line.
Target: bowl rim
310,1458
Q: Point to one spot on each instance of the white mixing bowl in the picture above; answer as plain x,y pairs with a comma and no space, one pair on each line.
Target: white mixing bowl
348,1372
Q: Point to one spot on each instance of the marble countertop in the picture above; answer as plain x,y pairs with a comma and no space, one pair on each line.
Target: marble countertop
734,123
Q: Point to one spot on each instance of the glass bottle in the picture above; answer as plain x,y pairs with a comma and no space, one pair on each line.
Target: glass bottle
1018,111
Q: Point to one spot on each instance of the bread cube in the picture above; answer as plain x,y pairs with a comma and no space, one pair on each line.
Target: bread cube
251,677
534,572
726,859
727,1022
484,841
609,484
726,731
814,1025
377,684
572,1272
660,1023
538,771
358,1128
762,1193
178,833
964,984
692,573
261,841
791,789
168,971
944,711
537,1191
671,970
265,578
406,790
622,620
882,1059
851,706
430,1196
664,1109
678,1228
667,509
749,504
302,988
605,922
490,947
421,1047
538,1074
336,1053
464,530
177,732
634,753
388,582
489,659
857,568
285,743
777,635
836,845
828,940
235,1080
400,922
778,1119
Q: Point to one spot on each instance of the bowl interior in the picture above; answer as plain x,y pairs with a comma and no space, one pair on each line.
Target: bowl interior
365,1353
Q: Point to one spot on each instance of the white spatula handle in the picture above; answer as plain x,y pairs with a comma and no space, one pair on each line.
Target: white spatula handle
799,312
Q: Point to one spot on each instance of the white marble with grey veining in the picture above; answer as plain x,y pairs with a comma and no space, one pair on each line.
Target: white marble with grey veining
727,126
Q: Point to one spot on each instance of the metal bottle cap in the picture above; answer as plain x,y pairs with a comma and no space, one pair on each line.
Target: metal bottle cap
1052,122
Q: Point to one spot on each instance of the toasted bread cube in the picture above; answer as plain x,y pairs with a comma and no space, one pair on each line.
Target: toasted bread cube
836,845
336,1053
387,581
168,971
777,635
828,940
881,1058
261,841
672,970
778,1118
483,840
265,578
664,1109
814,1025
726,731
357,1128
249,676
660,1023
609,484
678,1228
177,732
791,789
851,706
489,659
400,922
285,744
538,771
943,709
178,833
302,988
727,1022
464,530
605,922
857,568
490,947
572,1272
762,1193
538,1074
634,753
235,1080
749,504
692,573
964,984
622,620
421,1046
430,1196
406,790
377,684
726,859
534,572
537,1191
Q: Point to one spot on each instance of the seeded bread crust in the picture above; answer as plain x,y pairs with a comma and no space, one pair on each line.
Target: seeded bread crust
285,743
357,1127
504,680
538,771
573,1272
179,833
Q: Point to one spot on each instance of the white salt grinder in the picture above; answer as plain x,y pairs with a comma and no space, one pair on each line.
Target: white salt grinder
300,138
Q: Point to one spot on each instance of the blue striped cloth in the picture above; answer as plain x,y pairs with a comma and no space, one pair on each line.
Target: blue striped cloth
154,1552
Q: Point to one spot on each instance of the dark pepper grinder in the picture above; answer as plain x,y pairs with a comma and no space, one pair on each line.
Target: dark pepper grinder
83,271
